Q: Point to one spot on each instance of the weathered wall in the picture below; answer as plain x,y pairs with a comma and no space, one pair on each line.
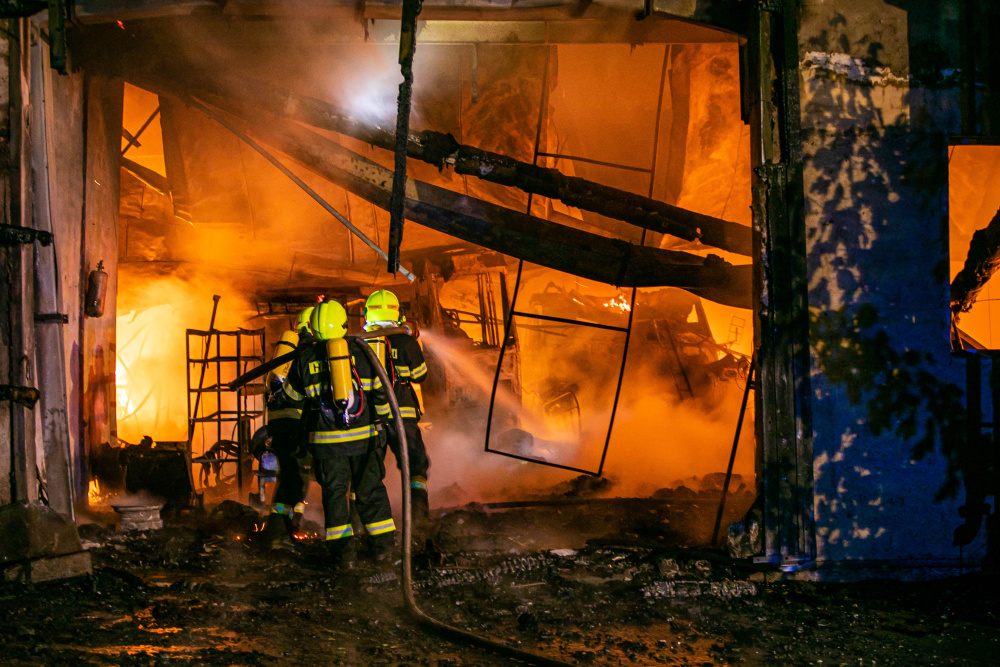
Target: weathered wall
65,127
5,328
879,100
103,105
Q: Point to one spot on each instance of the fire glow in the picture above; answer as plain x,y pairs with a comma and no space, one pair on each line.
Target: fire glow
149,376
94,494
150,365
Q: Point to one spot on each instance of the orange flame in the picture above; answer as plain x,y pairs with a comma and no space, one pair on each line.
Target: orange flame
150,376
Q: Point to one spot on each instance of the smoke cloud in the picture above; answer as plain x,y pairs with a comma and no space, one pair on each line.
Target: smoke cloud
255,233
658,437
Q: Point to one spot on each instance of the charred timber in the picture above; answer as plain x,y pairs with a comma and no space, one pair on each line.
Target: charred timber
501,229
981,263
27,396
439,149
407,46
146,175
14,235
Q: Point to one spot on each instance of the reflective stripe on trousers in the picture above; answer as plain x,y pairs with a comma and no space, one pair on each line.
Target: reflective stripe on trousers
338,532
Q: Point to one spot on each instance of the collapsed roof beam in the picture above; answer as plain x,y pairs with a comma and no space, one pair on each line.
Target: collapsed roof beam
407,46
439,149
501,229
146,175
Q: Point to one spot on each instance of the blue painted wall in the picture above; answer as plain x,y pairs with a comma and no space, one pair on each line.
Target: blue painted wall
879,102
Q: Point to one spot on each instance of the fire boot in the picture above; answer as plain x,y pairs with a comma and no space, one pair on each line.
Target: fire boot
343,555
380,548
420,507
297,512
277,532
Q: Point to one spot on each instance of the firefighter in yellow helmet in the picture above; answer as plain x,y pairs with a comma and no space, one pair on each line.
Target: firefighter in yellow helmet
284,429
344,399
405,366
305,331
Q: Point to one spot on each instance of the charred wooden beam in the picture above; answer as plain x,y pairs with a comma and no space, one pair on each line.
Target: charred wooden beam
407,46
981,263
27,396
14,235
510,232
146,175
439,149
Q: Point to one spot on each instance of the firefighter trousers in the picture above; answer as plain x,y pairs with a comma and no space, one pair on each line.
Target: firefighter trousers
419,463
287,439
362,474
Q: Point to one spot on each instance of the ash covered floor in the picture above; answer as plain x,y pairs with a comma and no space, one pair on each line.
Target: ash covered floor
197,592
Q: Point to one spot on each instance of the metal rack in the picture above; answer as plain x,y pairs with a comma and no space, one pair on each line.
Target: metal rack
221,422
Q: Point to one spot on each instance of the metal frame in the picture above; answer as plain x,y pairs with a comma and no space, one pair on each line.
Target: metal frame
250,348
667,53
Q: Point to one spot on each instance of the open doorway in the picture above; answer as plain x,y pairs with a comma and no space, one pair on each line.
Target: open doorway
203,214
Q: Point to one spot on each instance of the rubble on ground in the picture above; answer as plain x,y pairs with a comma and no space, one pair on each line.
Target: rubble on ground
205,592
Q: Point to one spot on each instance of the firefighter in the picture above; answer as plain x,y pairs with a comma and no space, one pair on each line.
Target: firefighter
303,456
406,366
305,333
284,417
344,400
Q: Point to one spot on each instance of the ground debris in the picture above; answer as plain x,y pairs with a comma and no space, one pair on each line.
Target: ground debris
198,595
689,589
513,567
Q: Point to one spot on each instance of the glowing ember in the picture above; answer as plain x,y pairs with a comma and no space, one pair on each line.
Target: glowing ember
618,303
94,492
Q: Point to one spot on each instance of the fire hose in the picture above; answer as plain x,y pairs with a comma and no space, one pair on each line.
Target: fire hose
448,631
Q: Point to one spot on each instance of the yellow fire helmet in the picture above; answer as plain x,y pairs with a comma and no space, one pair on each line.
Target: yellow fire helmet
304,318
328,320
382,310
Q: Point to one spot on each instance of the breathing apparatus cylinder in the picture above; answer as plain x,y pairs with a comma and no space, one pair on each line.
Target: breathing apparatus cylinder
340,371
287,343
381,311
378,346
328,323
